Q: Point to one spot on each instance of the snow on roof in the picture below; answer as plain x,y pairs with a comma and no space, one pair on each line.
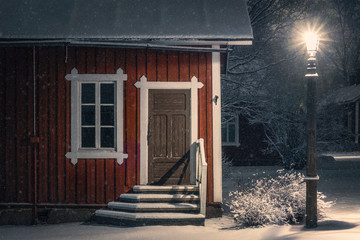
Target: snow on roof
343,95
206,20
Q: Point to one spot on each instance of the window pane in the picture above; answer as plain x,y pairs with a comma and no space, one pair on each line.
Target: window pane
231,133
88,137
88,93
107,93
88,115
223,134
107,137
107,116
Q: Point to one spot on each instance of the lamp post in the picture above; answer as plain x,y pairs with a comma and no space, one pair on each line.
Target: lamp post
312,43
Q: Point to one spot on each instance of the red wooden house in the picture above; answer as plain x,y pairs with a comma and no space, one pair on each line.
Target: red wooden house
108,99
347,98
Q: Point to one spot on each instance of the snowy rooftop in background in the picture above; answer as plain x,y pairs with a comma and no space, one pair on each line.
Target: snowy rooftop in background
343,95
142,20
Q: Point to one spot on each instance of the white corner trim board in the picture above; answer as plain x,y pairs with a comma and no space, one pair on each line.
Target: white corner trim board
216,109
76,151
144,86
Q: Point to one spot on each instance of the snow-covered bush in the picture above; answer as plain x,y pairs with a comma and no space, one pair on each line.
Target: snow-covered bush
273,201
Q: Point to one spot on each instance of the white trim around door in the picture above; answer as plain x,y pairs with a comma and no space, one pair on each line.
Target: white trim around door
144,86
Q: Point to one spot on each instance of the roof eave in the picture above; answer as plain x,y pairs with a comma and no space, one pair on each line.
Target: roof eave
161,41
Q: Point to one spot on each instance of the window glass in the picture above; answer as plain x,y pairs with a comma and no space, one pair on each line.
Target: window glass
97,115
224,134
88,115
107,116
229,130
88,93
107,137
231,133
88,137
107,93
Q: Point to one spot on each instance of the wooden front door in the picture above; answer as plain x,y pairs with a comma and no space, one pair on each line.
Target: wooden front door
169,137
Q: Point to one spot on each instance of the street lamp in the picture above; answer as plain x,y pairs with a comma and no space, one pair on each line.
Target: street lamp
312,44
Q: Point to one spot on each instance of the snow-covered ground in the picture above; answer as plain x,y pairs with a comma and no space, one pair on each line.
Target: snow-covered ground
340,182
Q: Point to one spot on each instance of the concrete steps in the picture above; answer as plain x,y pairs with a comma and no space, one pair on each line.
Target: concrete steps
166,189
154,205
145,197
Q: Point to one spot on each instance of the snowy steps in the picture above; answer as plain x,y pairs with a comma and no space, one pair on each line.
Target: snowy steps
154,205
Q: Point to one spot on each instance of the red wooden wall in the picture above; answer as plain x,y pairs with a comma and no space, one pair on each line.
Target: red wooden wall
90,181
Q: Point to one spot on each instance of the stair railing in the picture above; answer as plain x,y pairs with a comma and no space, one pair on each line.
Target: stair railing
202,174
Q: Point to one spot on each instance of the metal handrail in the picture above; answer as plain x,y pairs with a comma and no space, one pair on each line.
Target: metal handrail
202,174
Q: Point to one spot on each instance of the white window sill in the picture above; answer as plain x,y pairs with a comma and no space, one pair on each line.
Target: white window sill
74,156
231,144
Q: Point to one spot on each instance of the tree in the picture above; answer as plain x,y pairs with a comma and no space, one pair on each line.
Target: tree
265,82
342,51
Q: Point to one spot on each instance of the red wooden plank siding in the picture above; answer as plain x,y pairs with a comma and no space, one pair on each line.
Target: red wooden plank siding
184,71
2,123
21,120
209,126
202,106
194,64
202,97
94,181
110,180
100,190
30,121
70,181
43,92
131,105
141,62
90,180
61,123
151,65
161,66
10,101
52,155
173,66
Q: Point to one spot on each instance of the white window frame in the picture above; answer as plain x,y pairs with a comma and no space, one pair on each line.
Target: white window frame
94,153
226,125
144,87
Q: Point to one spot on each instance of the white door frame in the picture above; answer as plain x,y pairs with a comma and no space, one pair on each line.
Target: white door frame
144,86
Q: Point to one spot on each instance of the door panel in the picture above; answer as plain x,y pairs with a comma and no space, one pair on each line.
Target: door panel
178,136
160,136
169,137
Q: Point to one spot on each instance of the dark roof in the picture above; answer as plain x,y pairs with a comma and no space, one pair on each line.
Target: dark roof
343,95
115,20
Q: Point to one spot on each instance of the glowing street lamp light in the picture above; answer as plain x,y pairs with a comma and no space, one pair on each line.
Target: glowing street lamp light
312,43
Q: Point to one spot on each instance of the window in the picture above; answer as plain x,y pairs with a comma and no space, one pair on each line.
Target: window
230,131
96,116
